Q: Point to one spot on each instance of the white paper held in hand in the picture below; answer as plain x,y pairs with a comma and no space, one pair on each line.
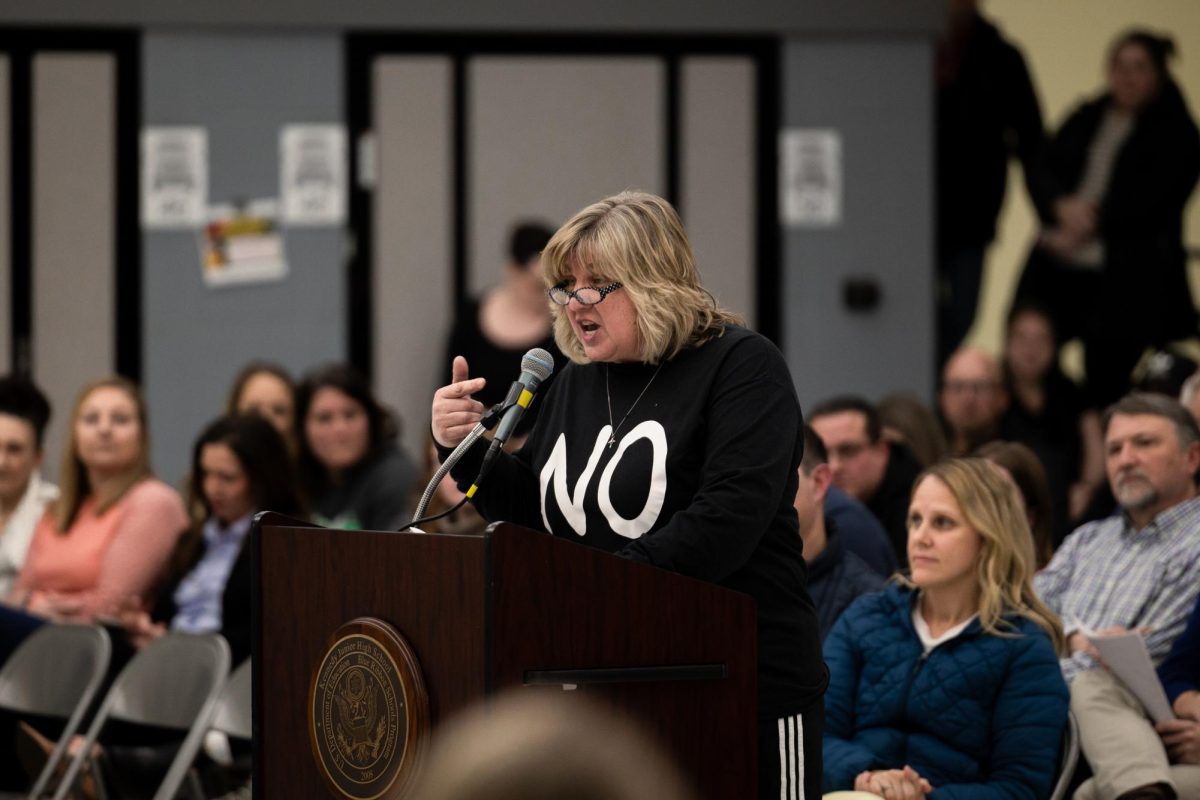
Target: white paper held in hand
1126,656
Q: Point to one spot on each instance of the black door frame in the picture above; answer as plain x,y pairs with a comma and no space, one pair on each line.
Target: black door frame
362,48
21,45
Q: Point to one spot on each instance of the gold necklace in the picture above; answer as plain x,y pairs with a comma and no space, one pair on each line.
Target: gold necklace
612,437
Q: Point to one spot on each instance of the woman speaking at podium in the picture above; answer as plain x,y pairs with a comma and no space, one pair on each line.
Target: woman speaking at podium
673,438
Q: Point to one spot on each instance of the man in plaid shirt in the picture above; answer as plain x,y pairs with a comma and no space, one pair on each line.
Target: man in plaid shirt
1139,570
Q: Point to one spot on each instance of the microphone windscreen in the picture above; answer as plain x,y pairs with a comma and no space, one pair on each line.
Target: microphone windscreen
538,362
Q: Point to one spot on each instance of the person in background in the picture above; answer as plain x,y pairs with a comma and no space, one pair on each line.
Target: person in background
1189,396
987,112
1047,412
1134,571
836,575
354,473
908,421
24,495
972,400
240,466
546,746
493,332
1021,465
1110,262
267,389
876,472
947,683
109,536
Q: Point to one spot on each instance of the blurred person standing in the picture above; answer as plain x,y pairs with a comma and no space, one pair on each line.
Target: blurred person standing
493,332
1110,262
987,111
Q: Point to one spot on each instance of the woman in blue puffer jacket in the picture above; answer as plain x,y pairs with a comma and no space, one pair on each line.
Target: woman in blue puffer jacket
947,684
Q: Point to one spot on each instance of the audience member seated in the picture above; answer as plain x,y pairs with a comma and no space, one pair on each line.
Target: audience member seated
836,575
1048,413
354,473
1189,396
908,421
1134,571
493,333
240,466
972,400
1177,747
530,745
1022,467
861,533
877,473
24,496
1110,262
947,683
109,537
1180,676
266,389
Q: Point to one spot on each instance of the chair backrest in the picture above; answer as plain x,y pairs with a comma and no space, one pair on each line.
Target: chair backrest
1068,758
56,672
233,715
173,683
55,669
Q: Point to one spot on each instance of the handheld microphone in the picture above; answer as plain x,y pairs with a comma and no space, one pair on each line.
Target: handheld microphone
536,366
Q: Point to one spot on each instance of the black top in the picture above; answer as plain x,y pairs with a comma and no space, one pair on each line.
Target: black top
373,495
987,110
700,480
500,365
890,502
1053,435
1141,216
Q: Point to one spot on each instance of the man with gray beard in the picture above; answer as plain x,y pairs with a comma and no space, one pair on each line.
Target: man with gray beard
1137,570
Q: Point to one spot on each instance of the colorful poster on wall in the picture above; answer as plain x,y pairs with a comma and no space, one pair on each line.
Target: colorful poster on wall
312,174
242,244
174,177
811,179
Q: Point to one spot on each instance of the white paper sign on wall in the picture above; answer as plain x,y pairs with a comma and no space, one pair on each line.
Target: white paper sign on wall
174,177
312,174
810,181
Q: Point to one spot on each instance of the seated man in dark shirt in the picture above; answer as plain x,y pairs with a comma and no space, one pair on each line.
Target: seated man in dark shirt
877,473
836,575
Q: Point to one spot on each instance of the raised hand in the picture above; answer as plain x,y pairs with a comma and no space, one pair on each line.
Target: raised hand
454,411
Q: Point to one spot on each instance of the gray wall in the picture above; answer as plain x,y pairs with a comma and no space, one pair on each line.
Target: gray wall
878,95
242,88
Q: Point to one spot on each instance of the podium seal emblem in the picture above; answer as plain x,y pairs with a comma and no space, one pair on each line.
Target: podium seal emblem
368,711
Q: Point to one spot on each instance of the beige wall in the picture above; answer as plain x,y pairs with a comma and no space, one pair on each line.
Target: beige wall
1065,42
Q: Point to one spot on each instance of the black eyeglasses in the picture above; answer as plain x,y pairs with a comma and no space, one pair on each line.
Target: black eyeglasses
586,295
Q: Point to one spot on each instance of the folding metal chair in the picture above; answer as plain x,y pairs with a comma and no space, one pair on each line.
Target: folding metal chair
55,672
173,683
1068,758
233,716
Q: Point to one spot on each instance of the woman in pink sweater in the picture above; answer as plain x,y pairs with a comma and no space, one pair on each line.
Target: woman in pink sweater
114,527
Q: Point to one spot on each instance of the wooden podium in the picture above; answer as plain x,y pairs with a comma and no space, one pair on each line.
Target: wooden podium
509,607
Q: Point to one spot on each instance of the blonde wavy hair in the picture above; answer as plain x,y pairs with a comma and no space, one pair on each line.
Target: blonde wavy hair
990,505
74,485
636,238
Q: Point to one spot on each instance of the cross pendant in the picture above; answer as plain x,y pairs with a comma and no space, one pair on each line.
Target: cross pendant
611,441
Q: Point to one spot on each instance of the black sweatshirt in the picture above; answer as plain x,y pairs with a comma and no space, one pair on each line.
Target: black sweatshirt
700,480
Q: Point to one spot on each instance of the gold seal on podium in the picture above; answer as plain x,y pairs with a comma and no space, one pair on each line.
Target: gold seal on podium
368,711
